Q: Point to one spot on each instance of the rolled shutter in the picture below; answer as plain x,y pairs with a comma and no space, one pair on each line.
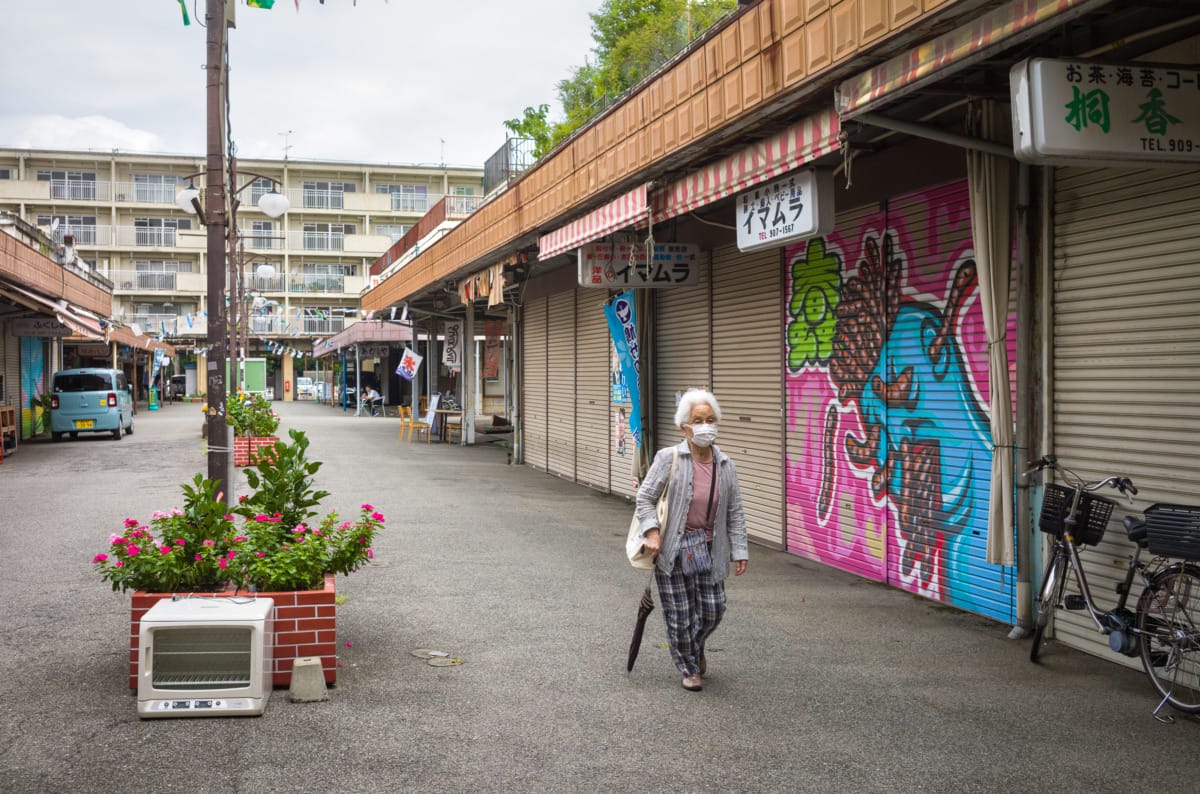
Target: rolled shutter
747,374
1126,351
683,339
560,384
594,438
533,383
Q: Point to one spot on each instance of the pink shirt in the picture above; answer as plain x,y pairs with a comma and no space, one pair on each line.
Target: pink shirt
702,483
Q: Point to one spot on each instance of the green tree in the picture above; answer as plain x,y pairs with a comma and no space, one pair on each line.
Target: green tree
534,125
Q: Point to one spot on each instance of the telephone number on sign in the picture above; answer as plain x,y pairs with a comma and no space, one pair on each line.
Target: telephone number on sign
770,234
1169,145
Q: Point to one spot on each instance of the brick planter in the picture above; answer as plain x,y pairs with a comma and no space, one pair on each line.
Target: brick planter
305,625
246,449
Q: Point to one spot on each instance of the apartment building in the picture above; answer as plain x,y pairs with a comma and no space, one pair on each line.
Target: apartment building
121,210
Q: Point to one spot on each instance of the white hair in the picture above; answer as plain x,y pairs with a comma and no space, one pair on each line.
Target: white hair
691,398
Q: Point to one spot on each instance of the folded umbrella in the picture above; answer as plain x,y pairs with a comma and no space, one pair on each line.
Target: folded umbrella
644,609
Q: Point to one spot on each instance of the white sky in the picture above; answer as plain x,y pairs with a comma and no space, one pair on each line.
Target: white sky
382,81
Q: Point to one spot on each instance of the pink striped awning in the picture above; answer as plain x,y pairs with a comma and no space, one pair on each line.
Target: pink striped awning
759,162
980,38
616,214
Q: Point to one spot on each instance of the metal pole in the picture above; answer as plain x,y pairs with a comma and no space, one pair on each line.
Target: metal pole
218,431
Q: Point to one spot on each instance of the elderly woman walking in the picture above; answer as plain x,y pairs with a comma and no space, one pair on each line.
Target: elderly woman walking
705,530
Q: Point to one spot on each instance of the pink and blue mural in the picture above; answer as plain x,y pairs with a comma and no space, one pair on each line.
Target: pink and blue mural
889,449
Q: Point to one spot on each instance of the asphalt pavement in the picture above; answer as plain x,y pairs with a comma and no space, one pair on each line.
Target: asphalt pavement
818,680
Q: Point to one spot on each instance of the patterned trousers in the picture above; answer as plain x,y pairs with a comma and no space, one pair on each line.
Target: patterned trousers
692,607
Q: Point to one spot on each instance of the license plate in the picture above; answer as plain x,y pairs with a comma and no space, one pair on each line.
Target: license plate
84,424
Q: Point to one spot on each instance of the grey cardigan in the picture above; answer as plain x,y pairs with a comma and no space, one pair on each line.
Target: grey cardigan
729,522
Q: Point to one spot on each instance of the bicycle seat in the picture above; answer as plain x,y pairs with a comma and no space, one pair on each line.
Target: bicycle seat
1136,530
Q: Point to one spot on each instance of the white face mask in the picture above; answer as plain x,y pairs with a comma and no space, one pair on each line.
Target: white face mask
704,435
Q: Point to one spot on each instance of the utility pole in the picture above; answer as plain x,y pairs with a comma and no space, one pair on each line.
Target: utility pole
218,431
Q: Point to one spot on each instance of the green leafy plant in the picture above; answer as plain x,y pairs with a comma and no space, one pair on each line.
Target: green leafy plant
274,547
250,415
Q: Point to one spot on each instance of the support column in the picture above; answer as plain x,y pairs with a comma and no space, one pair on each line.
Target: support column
468,377
289,368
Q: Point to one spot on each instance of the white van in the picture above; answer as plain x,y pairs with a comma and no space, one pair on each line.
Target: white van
305,389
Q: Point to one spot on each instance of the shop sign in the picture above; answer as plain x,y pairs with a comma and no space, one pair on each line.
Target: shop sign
794,207
621,264
40,326
1071,111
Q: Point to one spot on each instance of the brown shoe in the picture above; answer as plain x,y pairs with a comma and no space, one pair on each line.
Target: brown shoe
703,665
692,683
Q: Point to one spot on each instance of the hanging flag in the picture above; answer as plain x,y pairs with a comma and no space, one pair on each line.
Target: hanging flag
410,362
622,325
183,8
265,4
188,317
452,350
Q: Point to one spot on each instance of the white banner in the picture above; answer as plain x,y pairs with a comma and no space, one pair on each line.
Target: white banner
452,349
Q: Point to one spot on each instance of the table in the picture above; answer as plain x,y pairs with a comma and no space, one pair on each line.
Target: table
440,419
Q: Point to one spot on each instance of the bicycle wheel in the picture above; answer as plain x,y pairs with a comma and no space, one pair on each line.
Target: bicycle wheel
1053,582
1168,621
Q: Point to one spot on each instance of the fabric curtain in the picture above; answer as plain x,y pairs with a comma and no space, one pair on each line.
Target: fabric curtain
989,179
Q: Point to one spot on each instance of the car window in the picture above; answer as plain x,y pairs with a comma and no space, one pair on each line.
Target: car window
89,381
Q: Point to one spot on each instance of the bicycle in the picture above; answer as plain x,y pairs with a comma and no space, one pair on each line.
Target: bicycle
1165,628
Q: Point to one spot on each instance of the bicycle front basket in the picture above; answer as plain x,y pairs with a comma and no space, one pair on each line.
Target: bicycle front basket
1094,512
1173,531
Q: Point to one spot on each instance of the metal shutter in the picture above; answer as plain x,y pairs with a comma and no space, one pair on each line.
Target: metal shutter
560,384
747,380
533,383
1126,350
12,367
594,438
683,340
832,516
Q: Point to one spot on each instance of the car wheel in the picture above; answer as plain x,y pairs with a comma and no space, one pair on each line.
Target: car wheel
56,436
74,434
117,433
129,430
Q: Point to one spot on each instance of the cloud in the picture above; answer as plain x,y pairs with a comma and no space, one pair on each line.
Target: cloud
81,132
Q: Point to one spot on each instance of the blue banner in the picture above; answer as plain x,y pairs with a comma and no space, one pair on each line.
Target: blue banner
622,325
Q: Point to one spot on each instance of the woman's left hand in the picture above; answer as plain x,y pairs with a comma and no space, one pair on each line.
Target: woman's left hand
739,567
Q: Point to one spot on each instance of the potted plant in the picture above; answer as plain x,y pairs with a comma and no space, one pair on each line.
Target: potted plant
254,424
269,544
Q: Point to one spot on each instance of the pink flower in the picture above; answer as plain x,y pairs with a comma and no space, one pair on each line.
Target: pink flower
180,542
165,549
260,554
240,539
317,532
261,517
120,564
370,554
209,542
368,508
100,558
132,550
243,498
345,525
228,517
198,558
114,539
159,514
221,496
175,511
298,529
131,522
221,562
377,516
349,644
231,554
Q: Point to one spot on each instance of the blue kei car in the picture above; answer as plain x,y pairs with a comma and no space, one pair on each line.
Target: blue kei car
90,401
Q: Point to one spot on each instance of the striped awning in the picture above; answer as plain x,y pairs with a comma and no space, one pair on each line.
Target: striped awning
62,310
937,58
617,214
759,162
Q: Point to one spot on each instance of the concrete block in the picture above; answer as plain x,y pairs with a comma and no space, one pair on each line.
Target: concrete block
308,681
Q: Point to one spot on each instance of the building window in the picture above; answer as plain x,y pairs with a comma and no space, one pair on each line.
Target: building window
259,188
261,235
154,188
327,236
158,231
6,173
406,198
70,185
158,274
320,277
393,231
82,226
326,195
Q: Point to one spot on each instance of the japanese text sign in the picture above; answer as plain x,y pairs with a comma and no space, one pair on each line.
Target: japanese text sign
794,207
617,265
622,326
1079,111
452,347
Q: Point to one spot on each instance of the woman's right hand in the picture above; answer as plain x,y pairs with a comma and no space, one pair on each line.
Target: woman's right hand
653,541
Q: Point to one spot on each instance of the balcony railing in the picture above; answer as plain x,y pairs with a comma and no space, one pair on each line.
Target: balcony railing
75,190
264,283
330,325
261,242
459,207
410,202
154,237
316,282
152,280
320,199
154,323
324,241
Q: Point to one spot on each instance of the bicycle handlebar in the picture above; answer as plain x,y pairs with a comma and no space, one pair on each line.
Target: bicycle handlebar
1121,483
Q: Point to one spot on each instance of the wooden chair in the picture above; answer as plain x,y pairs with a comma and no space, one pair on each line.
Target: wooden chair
412,425
452,425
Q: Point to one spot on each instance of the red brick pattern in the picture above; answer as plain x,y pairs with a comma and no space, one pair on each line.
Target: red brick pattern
305,625
246,448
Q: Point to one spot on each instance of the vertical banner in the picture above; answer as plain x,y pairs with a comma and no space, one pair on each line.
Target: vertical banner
622,325
491,349
452,350
410,362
